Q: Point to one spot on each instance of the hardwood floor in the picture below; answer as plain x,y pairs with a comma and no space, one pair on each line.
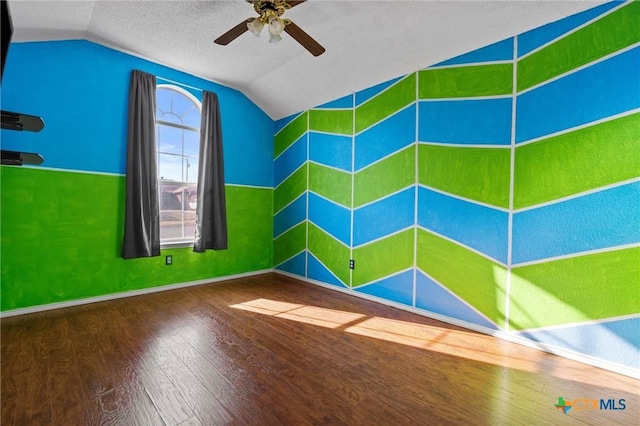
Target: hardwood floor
270,350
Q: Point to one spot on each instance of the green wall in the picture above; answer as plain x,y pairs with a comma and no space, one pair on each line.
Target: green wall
62,233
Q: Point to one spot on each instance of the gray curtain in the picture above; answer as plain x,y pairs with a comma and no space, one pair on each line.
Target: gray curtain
211,210
142,210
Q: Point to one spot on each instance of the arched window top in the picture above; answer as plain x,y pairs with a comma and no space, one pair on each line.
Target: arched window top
176,106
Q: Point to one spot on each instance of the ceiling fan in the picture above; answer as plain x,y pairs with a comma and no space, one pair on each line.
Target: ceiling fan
270,14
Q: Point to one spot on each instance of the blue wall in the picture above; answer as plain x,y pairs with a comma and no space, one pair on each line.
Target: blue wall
80,89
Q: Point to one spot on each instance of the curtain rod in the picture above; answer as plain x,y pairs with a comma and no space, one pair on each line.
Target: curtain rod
178,83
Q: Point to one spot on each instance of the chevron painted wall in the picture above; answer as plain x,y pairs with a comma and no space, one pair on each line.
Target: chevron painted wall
499,189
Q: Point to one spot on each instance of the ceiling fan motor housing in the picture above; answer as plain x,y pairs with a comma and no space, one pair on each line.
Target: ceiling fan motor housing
268,9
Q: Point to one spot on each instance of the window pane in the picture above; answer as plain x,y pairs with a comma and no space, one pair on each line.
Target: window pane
181,104
190,197
170,167
171,211
192,118
169,139
170,198
163,99
191,143
190,169
177,211
169,117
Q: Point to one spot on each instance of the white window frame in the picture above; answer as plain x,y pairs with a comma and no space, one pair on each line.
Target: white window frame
184,240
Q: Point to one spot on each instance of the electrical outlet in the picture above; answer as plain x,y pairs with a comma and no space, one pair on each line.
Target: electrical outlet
352,264
168,260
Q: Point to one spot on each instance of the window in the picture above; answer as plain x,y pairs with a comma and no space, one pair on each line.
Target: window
177,150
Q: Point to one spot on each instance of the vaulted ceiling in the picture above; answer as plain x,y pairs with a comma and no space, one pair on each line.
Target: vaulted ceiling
367,41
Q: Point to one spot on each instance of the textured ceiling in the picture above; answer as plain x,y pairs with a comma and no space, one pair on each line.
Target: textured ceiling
367,42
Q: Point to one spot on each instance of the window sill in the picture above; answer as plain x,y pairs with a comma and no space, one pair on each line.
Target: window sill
176,244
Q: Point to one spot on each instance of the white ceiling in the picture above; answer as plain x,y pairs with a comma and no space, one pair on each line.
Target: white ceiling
367,41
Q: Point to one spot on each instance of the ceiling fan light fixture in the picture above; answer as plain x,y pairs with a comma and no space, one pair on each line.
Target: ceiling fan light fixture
274,38
276,26
255,26
269,14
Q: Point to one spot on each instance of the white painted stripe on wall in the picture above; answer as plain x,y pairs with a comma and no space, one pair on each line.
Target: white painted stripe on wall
289,258
386,157
114,296
580,68
327,233
328,199
574,30
468,64
578,324
464,98
287,230
577,254
581,126
289,123
461,300
386,277
382,91
409,105
512,168
327,166
290,145
461,198
238,185
326,267
289,203
330,109
290,174
55,169
578,195
306,226
464,145
384,237
476,251
318,132
384,197
91,172
415,194
353,182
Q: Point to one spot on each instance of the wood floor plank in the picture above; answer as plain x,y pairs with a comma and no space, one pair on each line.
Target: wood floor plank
271,350
68,402
206,407
137,334
34,385
250,368
113,394
10,361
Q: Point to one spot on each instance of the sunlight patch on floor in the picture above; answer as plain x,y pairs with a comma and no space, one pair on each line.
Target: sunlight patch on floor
323,317
470,345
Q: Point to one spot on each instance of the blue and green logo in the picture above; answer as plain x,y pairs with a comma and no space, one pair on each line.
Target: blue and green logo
563,405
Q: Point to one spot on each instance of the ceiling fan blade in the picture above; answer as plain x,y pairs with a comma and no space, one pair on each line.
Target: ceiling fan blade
233,33
304,39
293,3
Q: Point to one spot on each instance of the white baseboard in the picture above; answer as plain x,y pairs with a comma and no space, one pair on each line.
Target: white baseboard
565,353
113,296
